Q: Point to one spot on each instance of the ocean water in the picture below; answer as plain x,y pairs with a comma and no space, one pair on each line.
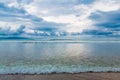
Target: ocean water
48,57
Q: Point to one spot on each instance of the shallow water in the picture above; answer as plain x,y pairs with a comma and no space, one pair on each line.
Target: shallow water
48,57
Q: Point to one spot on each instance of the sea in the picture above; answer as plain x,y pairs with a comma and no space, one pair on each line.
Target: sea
59,55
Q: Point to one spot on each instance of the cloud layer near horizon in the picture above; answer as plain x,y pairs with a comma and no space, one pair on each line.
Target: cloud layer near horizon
59,17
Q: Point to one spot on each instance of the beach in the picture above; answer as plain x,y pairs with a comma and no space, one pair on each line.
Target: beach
63,76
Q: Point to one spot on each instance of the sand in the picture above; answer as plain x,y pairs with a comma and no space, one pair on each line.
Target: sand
64,76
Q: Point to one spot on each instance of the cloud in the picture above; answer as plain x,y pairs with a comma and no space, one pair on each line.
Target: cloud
6,31
109,19
55,7
60,17
16,21
16,14
107,23
97,32
20,30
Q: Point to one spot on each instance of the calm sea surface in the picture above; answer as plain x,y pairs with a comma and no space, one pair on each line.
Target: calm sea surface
48,57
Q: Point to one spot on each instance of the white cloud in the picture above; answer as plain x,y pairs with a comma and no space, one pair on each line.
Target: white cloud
71,12
106,5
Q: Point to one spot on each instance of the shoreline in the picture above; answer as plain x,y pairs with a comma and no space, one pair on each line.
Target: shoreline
63,76
59,73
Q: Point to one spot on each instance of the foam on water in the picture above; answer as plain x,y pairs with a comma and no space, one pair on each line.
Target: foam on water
51,69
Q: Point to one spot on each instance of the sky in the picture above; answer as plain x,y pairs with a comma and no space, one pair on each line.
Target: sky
60,18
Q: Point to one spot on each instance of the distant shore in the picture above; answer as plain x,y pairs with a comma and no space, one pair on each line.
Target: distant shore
63,76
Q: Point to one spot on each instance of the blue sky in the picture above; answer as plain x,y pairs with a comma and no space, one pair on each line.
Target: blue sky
59,17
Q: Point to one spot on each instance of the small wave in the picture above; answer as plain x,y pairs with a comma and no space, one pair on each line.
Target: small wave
54,69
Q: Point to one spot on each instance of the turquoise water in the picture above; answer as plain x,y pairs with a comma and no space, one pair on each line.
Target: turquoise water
47,57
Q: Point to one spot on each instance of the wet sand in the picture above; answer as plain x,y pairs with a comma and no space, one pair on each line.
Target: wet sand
64,76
